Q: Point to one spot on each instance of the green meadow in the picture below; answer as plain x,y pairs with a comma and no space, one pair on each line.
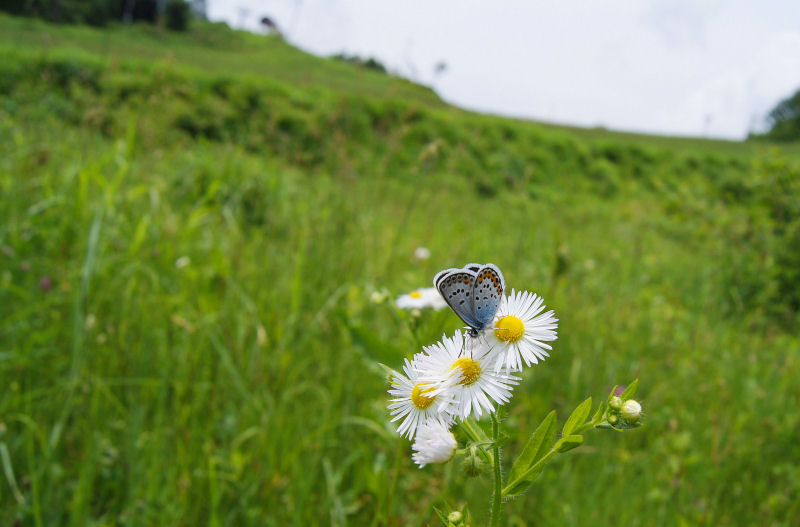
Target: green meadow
192,227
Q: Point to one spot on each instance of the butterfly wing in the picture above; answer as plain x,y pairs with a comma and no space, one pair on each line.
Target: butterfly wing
488,293
474,267
457,287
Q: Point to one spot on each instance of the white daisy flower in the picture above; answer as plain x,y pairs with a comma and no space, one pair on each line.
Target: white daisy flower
414,398
420,298
520,331
435,443
471,364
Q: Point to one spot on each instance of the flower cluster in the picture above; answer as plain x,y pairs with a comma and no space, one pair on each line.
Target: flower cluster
623,412
462,376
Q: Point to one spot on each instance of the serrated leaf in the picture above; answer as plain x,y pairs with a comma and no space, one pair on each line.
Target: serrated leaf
630,391
538,444
567,443
578,417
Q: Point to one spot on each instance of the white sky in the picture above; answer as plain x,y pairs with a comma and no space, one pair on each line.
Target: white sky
677,67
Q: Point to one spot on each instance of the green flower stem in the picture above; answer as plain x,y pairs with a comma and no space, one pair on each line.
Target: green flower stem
590,424
494,519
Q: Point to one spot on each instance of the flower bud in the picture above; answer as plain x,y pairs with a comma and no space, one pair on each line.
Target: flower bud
455,517
631,411
615,403
613,419
472,465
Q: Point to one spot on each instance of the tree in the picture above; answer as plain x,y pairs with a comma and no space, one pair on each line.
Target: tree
784,119
178,13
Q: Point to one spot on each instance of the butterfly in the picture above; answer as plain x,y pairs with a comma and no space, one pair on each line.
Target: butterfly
473,292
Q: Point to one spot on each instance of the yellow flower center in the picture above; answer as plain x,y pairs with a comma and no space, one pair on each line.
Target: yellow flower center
415,294
509,329
470,368
418,396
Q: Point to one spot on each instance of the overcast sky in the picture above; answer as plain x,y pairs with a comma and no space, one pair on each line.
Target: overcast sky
677,67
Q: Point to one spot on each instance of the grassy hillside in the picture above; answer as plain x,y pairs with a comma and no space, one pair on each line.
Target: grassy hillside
191,227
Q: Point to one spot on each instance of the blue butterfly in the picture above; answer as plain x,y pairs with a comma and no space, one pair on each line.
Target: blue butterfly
473,292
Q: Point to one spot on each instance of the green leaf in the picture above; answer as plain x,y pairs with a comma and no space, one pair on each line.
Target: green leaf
442,516
538,444
630,391
619,427
567,443
501,413
518,487
578,417
388,371
599,413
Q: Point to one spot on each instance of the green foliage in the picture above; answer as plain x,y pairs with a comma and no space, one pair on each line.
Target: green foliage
577,418
784,119
297,186
567,443
520,477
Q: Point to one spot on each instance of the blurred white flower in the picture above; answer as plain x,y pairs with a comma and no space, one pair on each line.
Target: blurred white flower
421,298
520,328
377,297
422,253
435,443
182,262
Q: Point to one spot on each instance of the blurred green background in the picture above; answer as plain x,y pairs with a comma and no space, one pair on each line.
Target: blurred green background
192,225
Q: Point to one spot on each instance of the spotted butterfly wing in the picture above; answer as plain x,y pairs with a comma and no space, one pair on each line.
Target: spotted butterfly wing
457,288
487,294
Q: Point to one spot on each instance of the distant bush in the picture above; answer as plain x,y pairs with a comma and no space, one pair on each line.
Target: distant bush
370,63
784,120
177,14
